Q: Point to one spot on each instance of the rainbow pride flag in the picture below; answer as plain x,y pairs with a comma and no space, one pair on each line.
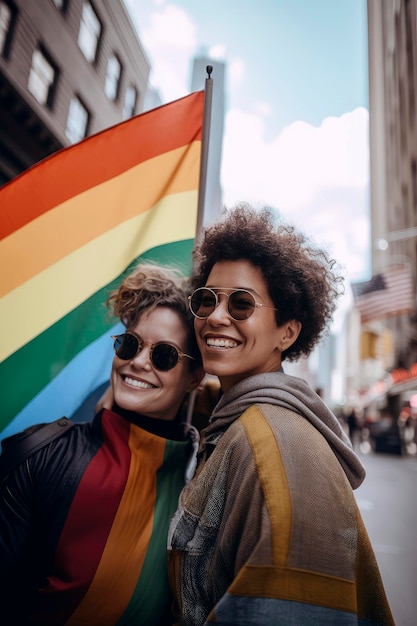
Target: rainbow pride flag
70,227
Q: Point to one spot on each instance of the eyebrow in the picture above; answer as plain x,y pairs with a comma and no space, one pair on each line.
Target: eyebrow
253,291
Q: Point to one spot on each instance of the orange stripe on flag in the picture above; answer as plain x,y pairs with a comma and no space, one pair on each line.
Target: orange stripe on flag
86,216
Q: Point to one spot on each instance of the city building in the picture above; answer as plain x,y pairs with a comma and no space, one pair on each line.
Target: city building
390,344
68,69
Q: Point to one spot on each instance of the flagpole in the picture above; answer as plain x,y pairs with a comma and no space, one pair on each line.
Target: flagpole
208,97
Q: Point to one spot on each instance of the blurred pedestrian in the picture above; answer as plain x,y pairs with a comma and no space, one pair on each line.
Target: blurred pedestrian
353,425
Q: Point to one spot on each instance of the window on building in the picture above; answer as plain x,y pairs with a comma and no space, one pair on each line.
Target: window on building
77,121
7,20
90,31
42,77
369,345
129,104
61,4
114,71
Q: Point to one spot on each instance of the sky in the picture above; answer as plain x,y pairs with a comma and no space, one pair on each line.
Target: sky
297,120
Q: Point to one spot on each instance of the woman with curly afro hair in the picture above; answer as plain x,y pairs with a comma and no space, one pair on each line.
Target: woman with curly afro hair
84,520
268,531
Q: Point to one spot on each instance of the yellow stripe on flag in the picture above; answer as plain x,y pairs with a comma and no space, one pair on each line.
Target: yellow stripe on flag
60,231
69,282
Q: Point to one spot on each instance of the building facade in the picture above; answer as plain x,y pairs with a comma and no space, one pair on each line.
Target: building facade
68,69
392,33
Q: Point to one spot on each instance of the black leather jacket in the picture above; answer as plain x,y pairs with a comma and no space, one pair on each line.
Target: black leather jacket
80,479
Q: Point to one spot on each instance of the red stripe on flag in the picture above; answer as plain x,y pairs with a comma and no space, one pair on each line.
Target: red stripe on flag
99,158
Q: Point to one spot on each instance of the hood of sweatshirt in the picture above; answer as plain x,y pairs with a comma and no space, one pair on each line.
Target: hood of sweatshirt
295,394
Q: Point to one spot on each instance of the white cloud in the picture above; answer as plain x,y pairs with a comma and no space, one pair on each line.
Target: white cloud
318,177
170,41
236,73
264,109
300,161
170,28
217,52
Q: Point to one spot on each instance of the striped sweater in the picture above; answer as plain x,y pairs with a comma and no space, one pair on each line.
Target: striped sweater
83,527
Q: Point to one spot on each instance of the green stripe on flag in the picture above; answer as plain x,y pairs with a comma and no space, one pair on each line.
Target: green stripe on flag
26,372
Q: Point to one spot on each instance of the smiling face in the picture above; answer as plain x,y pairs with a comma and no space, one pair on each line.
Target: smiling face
235,350
138,386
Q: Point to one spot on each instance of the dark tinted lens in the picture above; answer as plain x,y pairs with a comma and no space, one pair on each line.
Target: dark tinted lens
164,356
127,346
241,305
203,302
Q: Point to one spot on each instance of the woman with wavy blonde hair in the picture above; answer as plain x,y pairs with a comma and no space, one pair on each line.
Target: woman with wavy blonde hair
84,520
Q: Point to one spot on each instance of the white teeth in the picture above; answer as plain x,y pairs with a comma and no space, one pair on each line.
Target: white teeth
138,383
221,343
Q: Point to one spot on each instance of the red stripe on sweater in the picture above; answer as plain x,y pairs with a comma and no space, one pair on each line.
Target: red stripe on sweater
90,518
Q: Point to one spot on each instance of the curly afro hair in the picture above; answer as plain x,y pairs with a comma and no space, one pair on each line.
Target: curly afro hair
148,286
303,281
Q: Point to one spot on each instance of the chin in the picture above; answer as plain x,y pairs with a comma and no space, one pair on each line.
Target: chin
127,404
216,369
210,367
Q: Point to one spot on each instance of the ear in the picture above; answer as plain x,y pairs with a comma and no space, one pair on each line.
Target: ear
289,333
195,378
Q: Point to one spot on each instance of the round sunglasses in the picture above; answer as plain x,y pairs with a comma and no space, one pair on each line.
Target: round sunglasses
241,303
163,355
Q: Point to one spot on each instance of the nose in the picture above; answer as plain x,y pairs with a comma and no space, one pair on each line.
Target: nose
220,316
142,360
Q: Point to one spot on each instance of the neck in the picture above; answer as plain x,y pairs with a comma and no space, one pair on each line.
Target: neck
172,429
